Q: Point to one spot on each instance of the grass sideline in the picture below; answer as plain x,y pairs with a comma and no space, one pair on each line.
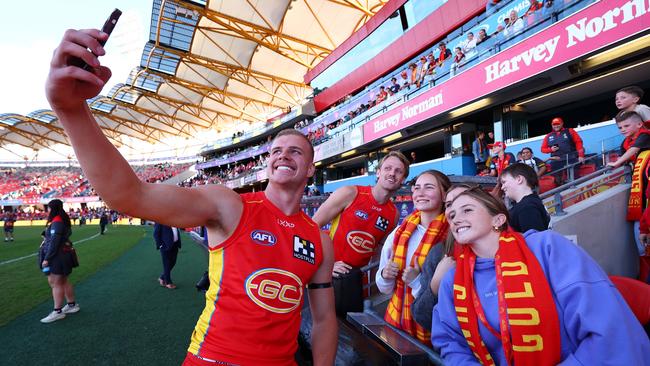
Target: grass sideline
126,317
23,286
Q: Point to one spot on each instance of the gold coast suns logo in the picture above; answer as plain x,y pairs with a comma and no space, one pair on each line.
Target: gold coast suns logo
275,290
361,241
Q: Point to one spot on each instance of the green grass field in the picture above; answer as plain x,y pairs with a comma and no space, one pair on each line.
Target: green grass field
126,318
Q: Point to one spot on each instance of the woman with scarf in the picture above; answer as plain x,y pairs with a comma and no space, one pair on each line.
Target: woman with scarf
57,262
406,248
520,300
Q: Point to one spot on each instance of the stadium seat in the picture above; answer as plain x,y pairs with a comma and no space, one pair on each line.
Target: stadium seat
637,296
585,169
546,183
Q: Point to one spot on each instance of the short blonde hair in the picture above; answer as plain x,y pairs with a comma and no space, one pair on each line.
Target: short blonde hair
401,157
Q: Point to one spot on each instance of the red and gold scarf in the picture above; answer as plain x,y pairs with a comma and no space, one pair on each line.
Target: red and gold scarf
636,202
398,312
528,320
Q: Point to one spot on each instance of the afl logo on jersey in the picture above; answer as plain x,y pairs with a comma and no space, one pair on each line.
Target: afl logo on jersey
275,290
361,214
263,237
361,241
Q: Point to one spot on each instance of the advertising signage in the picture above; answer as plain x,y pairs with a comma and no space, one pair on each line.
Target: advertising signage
589,30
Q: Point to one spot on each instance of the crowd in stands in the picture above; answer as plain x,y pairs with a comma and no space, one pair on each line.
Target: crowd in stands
34,182
159,172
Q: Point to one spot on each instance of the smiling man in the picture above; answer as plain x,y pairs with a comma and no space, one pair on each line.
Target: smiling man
263,251
361,217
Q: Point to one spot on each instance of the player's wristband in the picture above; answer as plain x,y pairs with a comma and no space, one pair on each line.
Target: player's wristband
314,286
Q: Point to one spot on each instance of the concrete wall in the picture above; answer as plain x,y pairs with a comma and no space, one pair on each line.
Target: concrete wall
599,226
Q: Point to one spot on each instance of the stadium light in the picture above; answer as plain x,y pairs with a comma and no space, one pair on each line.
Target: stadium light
392,137
348,153
617,52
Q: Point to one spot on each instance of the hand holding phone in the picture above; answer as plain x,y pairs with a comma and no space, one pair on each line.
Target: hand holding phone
108,27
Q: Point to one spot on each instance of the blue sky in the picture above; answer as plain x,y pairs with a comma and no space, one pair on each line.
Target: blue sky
31,30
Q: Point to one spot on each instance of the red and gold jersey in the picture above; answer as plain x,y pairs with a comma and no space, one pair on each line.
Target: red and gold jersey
358,230
257,282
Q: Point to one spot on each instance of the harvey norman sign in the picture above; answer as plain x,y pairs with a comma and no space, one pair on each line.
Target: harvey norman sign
592,28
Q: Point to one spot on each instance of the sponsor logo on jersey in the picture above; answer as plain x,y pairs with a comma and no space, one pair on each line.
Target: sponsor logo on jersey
263,237
382,223
275,290
304,250
378,209
286,223
361,241
361,214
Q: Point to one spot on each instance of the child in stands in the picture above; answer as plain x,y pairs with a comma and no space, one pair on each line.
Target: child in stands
637,137
528,212
627,100
536,299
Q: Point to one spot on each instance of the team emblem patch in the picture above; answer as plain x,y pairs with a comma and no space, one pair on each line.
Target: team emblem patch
361,214
275,290
382,223
263,237
304,250
361,241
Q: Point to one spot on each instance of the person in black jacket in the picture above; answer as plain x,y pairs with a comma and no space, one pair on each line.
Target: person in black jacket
103,221
57,261
528,212
168,241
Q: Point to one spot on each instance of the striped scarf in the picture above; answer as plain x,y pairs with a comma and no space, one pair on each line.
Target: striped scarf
529,328
636,202
398,312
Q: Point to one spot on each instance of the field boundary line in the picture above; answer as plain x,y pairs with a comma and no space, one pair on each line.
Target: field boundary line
34,254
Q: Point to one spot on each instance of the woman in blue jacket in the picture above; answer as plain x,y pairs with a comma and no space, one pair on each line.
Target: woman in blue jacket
57,261
520,300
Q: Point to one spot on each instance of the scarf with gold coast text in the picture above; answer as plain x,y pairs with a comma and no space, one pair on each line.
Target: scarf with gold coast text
398,312
528,320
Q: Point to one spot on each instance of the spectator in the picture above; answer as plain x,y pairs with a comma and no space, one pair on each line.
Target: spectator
514,26
434,269
431,68
565,147
415,76
534,7
413,157
405,80
420,235
500,158
422,69
459,59
627,99
491,6
56,258
382,94
484,315
443,53
394,86
637,137
480,149
538,165
482,36
468,46
528,212
548,8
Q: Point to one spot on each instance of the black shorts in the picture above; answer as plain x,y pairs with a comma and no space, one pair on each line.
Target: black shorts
9,229
348,292
61,264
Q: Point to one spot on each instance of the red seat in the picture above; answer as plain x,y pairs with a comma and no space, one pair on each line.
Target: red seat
546,183
585,169
637,296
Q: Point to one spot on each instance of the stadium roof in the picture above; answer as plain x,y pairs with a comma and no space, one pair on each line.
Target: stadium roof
211,65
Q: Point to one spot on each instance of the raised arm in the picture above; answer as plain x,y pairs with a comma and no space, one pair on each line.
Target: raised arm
334,205
67,89
321,302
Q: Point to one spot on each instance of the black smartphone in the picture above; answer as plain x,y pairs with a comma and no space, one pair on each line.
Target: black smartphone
108,27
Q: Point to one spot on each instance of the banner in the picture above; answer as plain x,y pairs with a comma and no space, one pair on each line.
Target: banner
338,144
591,29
